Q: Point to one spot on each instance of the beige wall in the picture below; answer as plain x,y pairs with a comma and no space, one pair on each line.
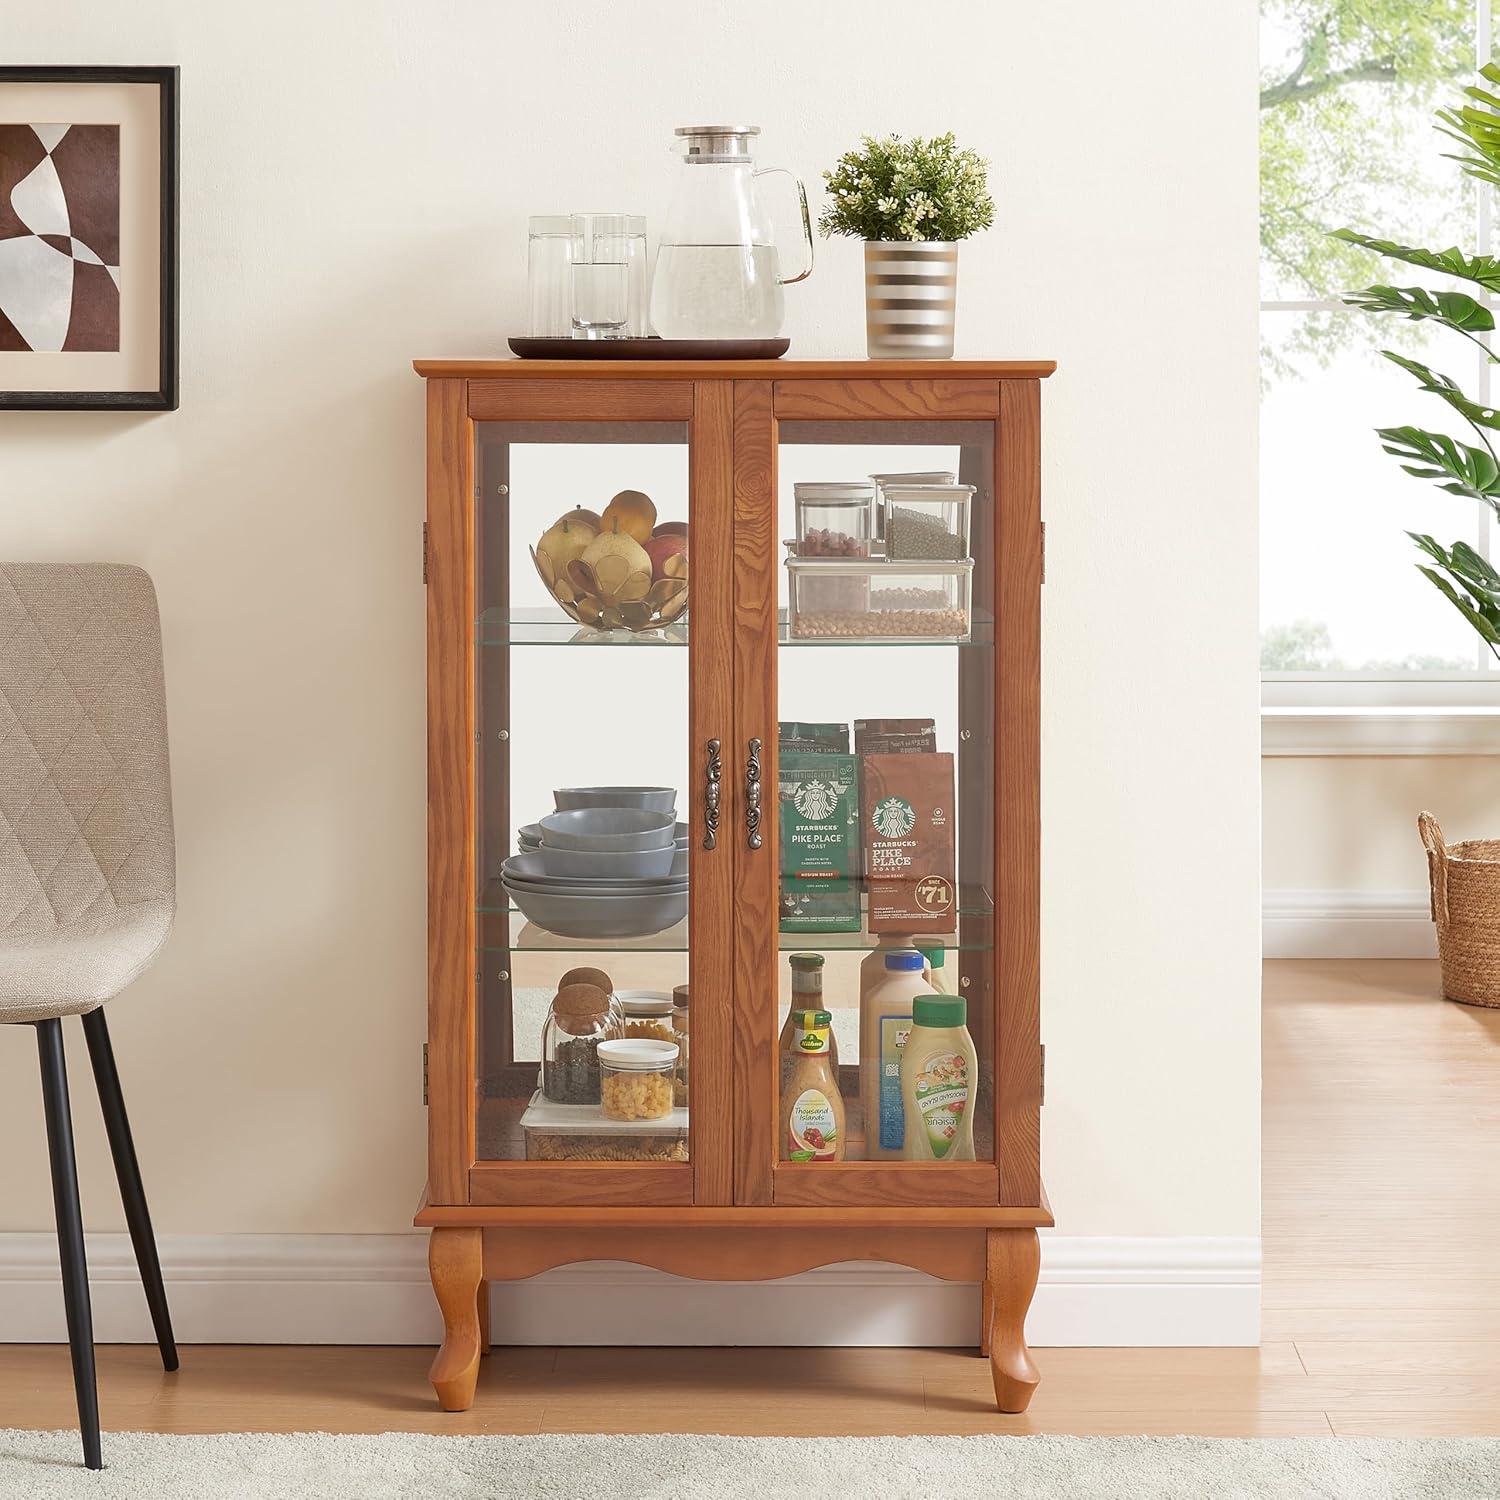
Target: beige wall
355,184
1349,823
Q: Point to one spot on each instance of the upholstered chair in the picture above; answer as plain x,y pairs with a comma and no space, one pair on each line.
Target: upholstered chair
87,872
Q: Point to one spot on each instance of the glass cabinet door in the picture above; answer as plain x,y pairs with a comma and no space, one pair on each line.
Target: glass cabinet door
584,797
883,812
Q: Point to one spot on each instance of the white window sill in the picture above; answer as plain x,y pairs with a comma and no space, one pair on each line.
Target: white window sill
1362,730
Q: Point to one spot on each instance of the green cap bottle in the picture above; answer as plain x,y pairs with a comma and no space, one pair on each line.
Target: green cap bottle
939,1010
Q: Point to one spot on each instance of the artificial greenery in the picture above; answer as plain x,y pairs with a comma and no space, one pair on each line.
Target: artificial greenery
1463,577
896,189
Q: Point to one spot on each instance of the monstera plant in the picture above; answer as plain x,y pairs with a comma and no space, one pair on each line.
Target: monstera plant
1464,577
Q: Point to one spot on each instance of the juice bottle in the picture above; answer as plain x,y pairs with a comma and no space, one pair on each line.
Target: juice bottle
934,954
872,965
939,1077
807,994
812,1110
885,1018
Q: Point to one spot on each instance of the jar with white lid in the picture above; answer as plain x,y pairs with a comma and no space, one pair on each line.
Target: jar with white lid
834,519
635,1079
646,1015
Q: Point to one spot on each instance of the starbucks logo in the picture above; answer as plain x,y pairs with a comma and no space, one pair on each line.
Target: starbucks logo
815,800
893,818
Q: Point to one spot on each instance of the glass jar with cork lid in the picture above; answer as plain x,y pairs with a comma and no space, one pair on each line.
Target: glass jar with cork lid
580,1018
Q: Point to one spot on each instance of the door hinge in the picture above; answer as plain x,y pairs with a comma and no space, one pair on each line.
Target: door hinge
1041,1077
1043,525
424,551
424,1072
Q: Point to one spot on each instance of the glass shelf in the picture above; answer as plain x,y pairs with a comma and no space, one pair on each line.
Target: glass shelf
503,928
550,627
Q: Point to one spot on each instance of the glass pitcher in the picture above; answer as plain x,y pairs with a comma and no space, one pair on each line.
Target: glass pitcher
718,274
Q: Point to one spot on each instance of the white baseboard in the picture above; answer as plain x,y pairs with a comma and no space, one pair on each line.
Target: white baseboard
373,1289
1347,924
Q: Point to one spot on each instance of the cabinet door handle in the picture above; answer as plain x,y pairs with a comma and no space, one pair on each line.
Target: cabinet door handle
712,777
752,796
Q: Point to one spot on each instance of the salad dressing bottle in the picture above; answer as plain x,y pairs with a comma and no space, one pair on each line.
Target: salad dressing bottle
812,1110
939,1079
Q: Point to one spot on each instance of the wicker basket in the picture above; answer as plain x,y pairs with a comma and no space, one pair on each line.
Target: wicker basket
1466,907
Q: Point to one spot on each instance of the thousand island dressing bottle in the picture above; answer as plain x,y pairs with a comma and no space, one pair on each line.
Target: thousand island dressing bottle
812,1110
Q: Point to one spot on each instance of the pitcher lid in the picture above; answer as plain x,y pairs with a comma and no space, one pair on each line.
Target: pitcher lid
716,142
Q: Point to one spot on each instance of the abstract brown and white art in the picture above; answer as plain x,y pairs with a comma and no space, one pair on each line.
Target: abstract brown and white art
59,236
88,238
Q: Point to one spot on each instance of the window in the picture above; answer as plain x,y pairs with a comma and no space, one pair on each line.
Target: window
1348,93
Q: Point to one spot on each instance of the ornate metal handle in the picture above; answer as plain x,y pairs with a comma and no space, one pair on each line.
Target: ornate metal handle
752,796
714,775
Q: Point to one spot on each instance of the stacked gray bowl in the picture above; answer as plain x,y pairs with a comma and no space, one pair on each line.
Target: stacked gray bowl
609,862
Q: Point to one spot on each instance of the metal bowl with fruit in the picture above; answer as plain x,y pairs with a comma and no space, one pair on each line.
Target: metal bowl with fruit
619,570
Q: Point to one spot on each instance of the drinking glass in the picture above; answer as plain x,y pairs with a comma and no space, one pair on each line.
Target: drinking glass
549,278
609,275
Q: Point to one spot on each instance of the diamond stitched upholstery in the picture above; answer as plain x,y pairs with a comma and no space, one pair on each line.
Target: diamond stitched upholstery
87,861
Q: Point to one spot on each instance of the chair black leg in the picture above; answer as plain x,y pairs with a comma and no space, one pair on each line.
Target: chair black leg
75,1275
128,1172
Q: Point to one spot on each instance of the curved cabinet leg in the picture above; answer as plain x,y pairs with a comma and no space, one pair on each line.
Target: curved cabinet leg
455,1258
1012,1258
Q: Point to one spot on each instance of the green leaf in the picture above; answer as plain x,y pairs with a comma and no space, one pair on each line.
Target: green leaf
1467,582
1456,310
1441,385
1476,126
1483,269
1436,456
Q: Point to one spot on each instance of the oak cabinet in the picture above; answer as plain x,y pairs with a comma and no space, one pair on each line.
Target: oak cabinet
522,699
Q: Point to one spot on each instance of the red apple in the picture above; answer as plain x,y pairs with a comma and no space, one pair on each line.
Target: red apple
671,528
659,549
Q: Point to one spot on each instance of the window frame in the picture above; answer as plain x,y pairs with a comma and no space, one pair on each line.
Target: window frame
1316,712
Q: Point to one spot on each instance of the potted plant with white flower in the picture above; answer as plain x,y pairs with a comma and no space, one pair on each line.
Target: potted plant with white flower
911,202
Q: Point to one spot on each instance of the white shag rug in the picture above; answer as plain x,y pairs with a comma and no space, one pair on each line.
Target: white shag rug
394,1466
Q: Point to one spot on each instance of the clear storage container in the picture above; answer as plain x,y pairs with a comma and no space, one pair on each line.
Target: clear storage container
571,1132
580,1018
916,476
897,600
927,522
680,1027
835,520
635,1079
647,1015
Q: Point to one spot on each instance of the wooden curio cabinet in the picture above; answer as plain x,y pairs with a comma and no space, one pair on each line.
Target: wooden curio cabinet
523,699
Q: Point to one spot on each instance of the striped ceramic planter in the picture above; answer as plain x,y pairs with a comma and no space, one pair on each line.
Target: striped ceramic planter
911,294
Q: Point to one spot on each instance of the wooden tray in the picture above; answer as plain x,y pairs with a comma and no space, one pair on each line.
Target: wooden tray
652,348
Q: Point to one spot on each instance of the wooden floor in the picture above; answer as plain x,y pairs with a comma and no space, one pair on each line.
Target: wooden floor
1382,1291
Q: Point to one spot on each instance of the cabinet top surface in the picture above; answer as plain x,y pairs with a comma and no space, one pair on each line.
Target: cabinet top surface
735,369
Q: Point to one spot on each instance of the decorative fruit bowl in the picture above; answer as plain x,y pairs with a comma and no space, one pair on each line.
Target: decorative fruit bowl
619,570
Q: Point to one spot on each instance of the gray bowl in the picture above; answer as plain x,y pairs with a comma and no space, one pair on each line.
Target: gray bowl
649,798
606,864
600,916
529,836
527,869
609,829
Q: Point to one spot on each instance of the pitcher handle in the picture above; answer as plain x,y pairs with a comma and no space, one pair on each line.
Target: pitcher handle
807,234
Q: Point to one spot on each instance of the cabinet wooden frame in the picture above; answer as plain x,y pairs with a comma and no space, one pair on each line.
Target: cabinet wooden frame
531,1214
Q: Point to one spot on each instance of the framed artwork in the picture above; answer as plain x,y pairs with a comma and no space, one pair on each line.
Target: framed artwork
88,239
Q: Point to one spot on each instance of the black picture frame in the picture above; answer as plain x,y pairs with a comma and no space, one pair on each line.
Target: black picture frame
165,396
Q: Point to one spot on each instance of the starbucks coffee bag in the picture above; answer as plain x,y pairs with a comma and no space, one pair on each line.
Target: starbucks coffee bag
910,844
